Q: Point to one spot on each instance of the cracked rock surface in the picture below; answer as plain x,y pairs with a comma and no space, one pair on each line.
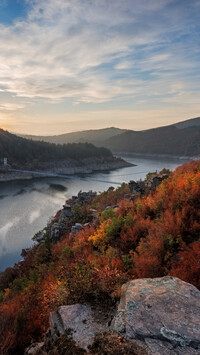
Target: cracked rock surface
162,312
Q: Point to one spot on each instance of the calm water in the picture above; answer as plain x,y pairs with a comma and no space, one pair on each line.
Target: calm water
27,205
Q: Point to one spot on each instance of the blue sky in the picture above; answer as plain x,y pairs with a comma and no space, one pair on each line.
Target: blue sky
68,65
12,10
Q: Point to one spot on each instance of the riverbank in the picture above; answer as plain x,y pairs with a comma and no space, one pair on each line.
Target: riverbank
66,167
156,156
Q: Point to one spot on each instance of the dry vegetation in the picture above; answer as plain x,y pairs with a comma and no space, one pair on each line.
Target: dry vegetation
153,236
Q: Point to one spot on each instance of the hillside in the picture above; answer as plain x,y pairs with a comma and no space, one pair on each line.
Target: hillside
169,140
96,136
69,158
193,122
180,139
95,244
21,150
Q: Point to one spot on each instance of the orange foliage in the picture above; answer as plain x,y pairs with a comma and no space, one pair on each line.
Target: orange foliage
187,264
8,315
153,236
131,235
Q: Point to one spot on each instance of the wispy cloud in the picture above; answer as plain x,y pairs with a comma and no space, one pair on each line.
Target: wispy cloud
9,106
100,51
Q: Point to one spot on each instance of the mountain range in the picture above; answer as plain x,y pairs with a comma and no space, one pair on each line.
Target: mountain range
96,136
180,139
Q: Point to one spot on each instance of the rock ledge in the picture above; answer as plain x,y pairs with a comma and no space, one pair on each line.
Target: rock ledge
161,316
163,312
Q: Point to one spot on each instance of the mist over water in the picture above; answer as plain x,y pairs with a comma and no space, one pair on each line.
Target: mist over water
27,205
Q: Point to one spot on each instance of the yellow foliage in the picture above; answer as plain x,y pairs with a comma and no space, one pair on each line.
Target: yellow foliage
99,239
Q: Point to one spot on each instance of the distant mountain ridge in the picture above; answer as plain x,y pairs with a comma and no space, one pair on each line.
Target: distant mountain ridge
90,136
179,139
192,122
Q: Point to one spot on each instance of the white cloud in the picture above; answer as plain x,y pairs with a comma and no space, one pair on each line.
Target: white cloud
123,65
77,49
9,106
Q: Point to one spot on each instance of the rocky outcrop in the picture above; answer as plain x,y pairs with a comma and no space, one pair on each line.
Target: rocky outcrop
137,187
163,312
55,232
155,181
142,187
66,221
79,321
66,212
158,316
76,228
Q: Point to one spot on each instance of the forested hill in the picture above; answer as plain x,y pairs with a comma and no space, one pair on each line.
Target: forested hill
169,140
21,150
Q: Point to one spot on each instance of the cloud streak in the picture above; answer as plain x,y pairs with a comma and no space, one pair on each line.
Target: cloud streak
100,51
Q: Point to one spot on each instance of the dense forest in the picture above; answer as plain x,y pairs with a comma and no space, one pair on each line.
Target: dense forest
153,235
21,150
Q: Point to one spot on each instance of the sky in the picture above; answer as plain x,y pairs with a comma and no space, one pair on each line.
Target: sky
70,65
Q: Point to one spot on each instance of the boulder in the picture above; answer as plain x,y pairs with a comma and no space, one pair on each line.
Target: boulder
67,209
137,187
79,322
66,213
155,181
85,196
162,312
76,228
55,232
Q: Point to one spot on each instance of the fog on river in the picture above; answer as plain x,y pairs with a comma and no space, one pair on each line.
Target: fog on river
27,205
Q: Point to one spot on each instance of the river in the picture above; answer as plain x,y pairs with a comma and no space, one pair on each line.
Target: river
27,205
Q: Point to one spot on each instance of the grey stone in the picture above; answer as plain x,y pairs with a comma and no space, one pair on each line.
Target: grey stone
79,319
137,187
55,232
66,213
164,312
76,228
67,210
33,349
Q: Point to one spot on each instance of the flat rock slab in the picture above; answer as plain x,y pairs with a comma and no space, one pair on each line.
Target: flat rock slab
79,321
164,312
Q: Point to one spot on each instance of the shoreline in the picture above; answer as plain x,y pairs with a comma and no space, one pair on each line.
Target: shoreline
155,156
92,167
